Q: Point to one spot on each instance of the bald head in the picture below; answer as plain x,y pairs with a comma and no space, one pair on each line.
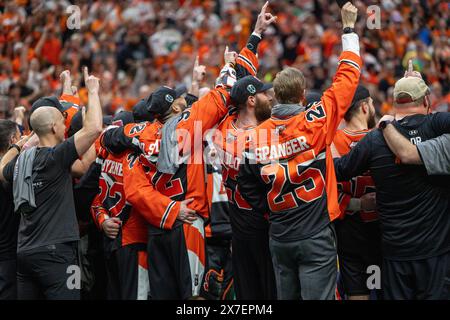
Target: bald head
43,119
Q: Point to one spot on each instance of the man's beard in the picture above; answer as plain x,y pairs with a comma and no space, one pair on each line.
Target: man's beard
371,122
263,110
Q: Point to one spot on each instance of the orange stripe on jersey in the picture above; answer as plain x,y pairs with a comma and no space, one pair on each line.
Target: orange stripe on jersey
142,259
195,241
70,98
248,60
209,192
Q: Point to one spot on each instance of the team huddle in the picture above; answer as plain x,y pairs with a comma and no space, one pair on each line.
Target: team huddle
251,190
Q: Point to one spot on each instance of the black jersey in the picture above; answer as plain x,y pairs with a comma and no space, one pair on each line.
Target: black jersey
414,208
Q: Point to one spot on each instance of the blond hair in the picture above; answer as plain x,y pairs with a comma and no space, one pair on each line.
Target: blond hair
289,86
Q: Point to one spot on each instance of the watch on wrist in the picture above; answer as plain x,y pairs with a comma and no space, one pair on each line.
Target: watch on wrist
384,124
348,30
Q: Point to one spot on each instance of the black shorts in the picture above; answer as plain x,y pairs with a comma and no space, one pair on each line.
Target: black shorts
359,246
427,279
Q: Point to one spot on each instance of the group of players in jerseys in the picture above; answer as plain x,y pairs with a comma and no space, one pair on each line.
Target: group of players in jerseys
231,192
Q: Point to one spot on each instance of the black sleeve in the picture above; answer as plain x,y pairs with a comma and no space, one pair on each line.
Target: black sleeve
252,45
440,122
251,188
116,141
8,170
354,163
66,153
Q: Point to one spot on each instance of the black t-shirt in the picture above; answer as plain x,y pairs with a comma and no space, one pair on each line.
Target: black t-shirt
54,220
414,208
9,223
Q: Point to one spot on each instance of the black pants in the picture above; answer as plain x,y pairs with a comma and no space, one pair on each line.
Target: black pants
49,272
126,280
218,278
8,282
253,274
427,279
173,272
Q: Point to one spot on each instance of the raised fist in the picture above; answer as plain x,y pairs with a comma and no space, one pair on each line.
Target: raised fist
349,15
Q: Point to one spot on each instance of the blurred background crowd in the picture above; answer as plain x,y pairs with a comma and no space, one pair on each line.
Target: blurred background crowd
136,45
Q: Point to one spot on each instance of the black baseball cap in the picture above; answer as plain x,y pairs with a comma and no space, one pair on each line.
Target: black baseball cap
140,112
50,101
123,118
160,101
361,93
246,87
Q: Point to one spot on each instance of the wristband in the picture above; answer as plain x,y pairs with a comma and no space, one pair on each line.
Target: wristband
348,30
384,124
15,146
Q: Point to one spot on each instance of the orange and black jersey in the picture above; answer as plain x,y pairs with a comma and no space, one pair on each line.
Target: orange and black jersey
71,106
111,201
288,167
218,224
194,123
343,142
230,143
145,190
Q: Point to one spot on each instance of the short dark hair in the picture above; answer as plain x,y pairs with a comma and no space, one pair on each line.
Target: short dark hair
7,130
354,108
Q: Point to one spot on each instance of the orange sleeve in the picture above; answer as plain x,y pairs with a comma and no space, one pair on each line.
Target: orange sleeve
337,99
157,209
247,60
99,214
329,112
209,110
70,98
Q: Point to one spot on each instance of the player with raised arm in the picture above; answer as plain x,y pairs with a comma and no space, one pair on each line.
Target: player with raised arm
288,172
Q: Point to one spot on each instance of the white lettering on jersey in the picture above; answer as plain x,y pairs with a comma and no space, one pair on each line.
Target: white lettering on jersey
282,150
112,167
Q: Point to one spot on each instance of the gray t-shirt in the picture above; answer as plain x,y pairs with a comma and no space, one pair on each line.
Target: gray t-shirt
435,154
54,220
